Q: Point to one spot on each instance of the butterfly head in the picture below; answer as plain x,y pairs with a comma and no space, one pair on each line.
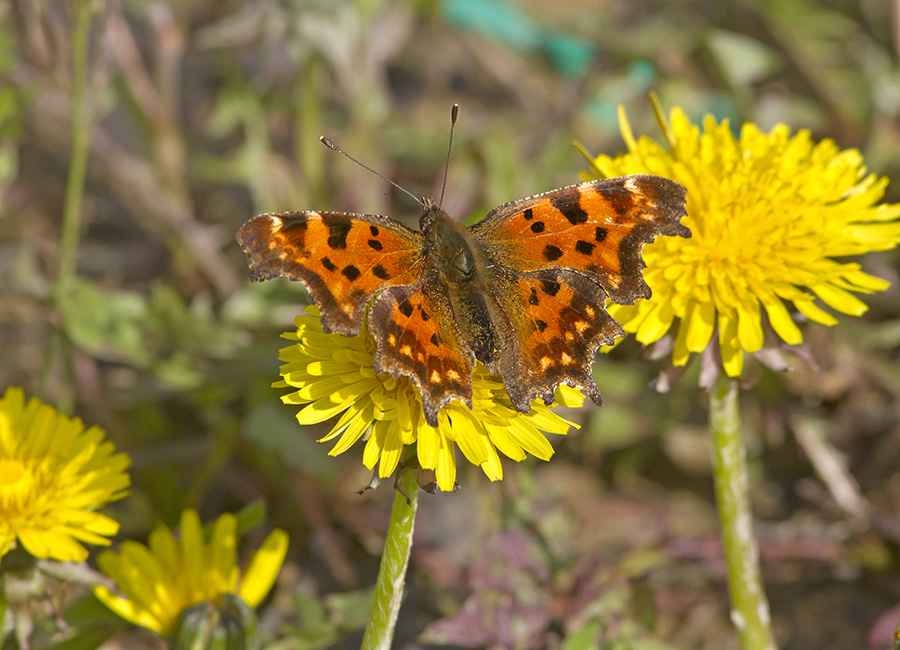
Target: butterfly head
430,211
449,245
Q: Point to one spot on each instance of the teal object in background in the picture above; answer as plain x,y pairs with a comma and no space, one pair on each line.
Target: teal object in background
602,108
502,22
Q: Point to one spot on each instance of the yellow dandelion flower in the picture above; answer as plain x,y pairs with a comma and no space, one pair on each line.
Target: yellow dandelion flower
334,375
161,581
769,212
54,475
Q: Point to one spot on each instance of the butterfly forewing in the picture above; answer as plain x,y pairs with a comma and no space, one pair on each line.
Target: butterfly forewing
596,228
343,259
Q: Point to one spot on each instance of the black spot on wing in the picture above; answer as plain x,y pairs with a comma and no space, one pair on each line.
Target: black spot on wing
373,230
600,234
552,253
533,299
374,244
350,272
569,204
584,247
528,213
405,308
622,201
293,226
328,264
337,231
380,272
537,226
551,287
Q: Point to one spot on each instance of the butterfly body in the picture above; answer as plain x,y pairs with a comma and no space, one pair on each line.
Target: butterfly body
459,265
523,290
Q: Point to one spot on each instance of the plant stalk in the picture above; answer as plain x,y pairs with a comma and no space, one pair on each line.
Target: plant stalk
749,607
71,224
71,217
392,574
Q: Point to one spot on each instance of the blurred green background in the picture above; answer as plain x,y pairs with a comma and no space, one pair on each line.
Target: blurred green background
202,114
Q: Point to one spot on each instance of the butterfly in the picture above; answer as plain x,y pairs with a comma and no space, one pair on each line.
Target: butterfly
523,290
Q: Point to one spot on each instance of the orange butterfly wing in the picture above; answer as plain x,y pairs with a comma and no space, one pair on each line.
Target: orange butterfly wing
554,258
417,337
343,259
596,228
558,321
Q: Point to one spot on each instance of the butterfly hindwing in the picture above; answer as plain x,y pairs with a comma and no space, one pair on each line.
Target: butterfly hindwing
417,337
342,258
559,320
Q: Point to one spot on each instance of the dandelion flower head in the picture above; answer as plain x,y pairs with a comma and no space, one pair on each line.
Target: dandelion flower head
54,476
334,375
163,579
769,213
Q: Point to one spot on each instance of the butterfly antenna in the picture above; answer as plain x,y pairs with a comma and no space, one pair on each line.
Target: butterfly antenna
454,113
328,143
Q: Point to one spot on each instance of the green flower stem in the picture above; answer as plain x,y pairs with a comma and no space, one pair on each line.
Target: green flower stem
749,607
71,218
78,158
392,574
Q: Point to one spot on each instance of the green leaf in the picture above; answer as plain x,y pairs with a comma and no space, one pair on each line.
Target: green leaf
741,59
583,639
350,609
